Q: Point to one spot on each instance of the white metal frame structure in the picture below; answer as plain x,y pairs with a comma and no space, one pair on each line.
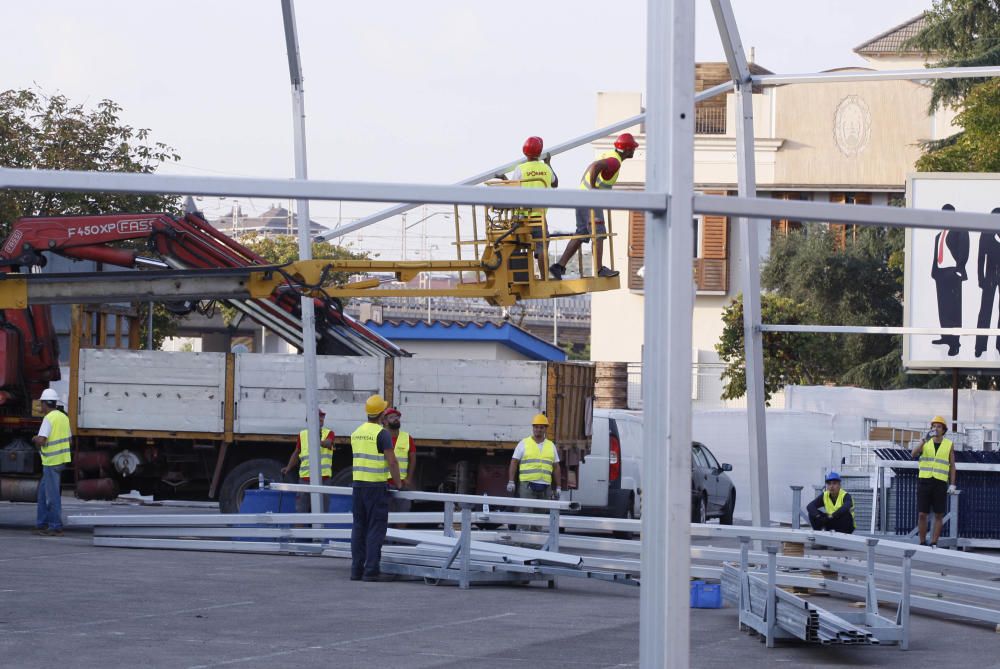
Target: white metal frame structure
664,626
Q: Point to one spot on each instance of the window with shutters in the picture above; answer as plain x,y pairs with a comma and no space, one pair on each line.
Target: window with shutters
711,252
842,232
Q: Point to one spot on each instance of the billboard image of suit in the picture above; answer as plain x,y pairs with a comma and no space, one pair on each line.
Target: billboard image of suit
952,277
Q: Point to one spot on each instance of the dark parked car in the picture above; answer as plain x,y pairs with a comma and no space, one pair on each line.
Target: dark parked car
713,494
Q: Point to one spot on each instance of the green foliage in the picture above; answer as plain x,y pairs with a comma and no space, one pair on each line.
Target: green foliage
788,357
809,280
964,33
977,149
39,131
574,353
961,33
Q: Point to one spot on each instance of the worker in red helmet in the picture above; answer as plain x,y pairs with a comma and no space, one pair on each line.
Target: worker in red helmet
406,456
603,174
535,172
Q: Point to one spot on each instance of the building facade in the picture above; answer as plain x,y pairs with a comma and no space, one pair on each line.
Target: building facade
849,143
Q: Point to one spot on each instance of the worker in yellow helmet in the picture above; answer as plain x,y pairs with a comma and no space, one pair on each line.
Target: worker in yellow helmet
935,478
373,459
536,463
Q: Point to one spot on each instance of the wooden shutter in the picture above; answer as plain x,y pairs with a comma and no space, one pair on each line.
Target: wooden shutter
636,248
711,270
841,231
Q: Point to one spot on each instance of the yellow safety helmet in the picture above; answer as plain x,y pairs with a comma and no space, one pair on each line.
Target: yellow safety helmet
540,419
939,419
375,405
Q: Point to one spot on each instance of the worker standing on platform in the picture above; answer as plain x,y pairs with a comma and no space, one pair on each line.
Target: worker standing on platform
535,173
53,442
536,463
834,509
301,456
935,480
601,174
406,455
373,458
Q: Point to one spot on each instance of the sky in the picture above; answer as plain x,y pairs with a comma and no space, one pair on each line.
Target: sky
395,90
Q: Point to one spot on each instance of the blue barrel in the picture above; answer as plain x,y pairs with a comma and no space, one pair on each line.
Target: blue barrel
262,501
339,504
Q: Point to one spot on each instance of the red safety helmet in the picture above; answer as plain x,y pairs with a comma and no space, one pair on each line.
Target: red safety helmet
626,141
392,412
532,147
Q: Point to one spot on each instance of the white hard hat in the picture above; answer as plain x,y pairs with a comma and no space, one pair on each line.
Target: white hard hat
49,395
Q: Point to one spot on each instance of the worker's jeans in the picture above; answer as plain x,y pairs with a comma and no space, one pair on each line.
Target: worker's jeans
50,498
371,520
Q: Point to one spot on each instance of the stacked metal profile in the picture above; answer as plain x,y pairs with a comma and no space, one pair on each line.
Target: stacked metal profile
800,618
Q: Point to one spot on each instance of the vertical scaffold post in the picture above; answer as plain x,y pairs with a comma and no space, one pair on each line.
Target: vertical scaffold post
664,618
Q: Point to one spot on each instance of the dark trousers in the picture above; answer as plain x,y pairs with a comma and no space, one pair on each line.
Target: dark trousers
949,302
844,523
371,520
985,311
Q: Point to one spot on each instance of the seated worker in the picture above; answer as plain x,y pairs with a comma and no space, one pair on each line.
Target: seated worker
534,173
834,509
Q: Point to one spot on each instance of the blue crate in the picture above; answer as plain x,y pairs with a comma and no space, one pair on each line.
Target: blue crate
706,595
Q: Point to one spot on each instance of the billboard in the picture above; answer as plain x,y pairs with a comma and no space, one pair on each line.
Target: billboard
952,277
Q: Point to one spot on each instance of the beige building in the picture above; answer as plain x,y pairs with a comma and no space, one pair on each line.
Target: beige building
848,143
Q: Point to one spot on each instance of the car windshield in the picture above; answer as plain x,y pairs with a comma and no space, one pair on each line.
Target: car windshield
698,457
712,462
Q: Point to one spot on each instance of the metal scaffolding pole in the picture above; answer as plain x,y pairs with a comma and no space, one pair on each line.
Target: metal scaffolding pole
305,252
752,336
663,603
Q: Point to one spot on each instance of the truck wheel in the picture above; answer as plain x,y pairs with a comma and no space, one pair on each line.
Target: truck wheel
244,477
727,511
626,513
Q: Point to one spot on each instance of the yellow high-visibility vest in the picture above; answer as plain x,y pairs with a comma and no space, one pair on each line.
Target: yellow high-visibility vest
402,450
368,462
538,461
831,506
600,181
935,463
534,174
57,445
325,455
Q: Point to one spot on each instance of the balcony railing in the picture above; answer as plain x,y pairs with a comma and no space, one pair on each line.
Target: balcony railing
710,120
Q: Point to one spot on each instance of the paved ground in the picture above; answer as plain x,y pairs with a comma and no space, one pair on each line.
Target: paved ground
65,603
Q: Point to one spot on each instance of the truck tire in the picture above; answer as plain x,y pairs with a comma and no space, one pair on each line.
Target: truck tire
244,477
625,512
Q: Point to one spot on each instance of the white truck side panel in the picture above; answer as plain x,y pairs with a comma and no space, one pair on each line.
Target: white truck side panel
480,400
151,390
270,398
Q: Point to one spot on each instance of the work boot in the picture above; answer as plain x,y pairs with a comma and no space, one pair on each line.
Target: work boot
556,271
52,533
607,272
379,578
40,531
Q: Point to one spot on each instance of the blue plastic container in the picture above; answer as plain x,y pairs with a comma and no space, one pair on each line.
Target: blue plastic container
262,501
339,504
706,595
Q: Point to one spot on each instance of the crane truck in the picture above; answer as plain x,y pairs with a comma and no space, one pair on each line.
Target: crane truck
208,424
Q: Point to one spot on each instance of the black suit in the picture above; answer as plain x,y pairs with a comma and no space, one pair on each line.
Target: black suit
988,274
949,283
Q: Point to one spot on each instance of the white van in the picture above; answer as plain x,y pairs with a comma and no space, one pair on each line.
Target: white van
610,482
610,478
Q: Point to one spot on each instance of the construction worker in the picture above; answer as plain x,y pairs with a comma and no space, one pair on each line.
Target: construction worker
53,443
534,173
406,455
935,479
373,457
300,456
536,463
600,174
834,509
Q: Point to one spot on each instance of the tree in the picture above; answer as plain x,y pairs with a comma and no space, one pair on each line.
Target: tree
810,280
39,131
963,33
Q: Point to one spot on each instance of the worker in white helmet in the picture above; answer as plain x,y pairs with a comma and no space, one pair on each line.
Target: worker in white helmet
53,443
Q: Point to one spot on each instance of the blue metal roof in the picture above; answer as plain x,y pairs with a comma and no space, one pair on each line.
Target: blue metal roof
507,334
